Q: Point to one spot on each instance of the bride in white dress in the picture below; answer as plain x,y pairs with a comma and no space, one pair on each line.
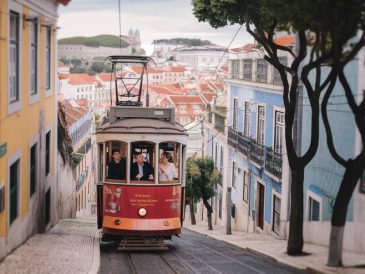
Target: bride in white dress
167,170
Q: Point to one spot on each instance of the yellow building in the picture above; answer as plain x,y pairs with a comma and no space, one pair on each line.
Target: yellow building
28,120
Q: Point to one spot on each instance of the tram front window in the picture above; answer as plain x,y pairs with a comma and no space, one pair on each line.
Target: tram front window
116,155
142,166
168,166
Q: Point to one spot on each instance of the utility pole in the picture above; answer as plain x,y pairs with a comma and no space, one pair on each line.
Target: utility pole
229,204
228,226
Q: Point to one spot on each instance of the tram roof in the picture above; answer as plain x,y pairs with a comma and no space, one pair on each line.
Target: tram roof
142,126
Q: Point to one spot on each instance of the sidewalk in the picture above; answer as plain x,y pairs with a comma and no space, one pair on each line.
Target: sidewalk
72,246
269,247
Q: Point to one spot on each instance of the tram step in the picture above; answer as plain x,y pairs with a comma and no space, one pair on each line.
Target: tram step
134,244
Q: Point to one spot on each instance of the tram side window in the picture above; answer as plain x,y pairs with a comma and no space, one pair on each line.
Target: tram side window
142,161
116,157
101,166
168,169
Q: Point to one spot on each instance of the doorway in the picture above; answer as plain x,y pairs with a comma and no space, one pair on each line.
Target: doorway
261,205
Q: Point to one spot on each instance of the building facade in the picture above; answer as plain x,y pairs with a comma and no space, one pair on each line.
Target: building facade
323,174
28,120
246,141
201,58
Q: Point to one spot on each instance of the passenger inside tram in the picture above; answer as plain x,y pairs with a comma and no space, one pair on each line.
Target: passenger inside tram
140,169
116,160
117,166
167,170
168,165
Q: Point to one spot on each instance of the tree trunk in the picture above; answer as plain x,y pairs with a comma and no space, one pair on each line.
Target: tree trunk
192,213
352,174
209,214
210,225
295,241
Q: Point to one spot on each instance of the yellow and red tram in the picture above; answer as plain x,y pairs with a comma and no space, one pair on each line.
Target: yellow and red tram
144,206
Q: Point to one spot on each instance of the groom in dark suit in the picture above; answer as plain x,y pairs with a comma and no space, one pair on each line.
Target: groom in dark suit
141,170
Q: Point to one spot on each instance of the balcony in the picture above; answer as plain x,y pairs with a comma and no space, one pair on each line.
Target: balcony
274,162
219,122
256,152
81,179
244,143
232,137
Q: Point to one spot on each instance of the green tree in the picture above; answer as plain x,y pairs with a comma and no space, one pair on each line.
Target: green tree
76,63
203,176
192,190
319,40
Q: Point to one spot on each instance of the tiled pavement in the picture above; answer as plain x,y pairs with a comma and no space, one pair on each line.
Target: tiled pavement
72,246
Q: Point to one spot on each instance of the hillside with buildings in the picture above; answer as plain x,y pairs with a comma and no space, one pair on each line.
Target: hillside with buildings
86,48
104,40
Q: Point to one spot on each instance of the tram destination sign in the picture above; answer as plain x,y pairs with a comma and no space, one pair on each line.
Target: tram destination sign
3,149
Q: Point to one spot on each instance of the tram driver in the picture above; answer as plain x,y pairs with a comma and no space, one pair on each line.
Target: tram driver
141,170
116,168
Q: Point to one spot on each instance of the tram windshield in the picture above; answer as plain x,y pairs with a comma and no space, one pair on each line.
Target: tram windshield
142,162
116,158
168,166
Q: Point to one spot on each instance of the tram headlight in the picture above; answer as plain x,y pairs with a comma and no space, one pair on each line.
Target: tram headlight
142,212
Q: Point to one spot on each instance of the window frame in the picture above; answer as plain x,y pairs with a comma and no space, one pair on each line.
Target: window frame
246,121
245,184
47,154
261,70
247,66
235,114
313,197
279,126
15,104
14,158
33,190
275,214
48,61
261,123
33,45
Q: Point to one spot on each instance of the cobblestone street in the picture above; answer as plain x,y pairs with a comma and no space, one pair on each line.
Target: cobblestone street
72,246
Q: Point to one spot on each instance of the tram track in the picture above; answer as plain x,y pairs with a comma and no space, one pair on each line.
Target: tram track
189,254
196,257
131,264
221,254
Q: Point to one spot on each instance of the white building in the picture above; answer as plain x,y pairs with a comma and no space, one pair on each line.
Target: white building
201,58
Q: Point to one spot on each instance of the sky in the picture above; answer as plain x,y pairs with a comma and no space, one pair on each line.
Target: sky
155,19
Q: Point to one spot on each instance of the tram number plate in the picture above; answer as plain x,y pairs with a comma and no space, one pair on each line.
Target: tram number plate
159,112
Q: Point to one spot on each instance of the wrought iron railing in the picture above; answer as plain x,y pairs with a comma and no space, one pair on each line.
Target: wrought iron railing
258,153
232,137
274,162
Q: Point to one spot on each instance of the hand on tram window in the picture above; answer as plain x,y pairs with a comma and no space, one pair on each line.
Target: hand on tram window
150,177
139,176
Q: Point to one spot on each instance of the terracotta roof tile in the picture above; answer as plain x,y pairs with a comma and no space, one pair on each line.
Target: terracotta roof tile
81,79
245,48
285,40
186,99
106,77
